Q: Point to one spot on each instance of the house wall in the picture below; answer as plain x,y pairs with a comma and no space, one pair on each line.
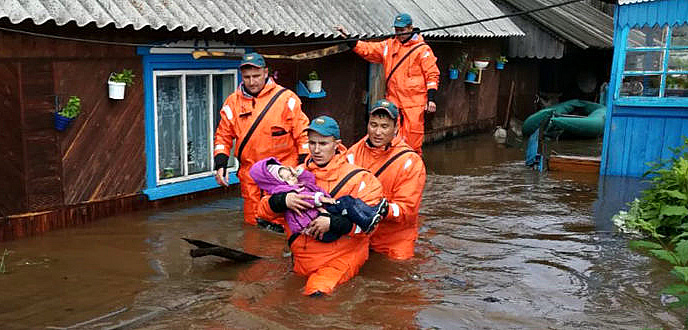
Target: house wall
99,156
641,130
12,189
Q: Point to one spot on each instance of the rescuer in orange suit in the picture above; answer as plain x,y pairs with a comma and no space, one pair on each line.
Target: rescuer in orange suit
402,174
411,74
266,120
327,264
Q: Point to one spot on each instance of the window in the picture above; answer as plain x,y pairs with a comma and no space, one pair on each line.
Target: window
656,63
186,104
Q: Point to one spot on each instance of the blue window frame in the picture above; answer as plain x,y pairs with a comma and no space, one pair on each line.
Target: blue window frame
655,66
183,96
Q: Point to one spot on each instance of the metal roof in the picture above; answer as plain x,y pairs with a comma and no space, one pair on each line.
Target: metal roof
625,2
578,23
538,41
305,18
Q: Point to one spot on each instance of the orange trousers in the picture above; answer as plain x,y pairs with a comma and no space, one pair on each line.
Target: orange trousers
252,195
413,128
328,264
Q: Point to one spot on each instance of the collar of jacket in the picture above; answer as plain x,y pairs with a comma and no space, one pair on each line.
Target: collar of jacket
331,171
378,151
269,86
397,45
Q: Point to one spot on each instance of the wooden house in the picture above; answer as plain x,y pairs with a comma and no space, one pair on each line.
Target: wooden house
155,144
647,104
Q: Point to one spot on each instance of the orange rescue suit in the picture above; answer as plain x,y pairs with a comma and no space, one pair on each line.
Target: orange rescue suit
403,182
409,84
328,264
280,134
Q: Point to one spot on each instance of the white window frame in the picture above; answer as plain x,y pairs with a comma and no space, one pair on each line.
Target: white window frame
214,111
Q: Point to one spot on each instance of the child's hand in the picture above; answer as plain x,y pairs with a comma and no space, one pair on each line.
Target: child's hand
328,200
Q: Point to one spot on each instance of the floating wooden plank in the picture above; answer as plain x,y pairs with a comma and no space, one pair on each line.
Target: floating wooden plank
207,249
580,164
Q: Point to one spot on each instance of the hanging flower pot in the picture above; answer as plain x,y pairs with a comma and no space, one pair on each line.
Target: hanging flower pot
117,83
61,122
314,83
499,64
116,90
471,76
453,74
65,116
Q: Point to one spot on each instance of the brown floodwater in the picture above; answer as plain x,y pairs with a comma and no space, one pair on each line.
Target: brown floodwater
500,246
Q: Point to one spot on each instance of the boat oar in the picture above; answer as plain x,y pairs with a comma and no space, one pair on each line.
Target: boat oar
210,249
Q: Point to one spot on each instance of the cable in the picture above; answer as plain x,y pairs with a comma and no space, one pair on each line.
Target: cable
293,44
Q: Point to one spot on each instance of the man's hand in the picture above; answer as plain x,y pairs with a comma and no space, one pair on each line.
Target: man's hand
342,30
220,177
318,227
297,202
432,107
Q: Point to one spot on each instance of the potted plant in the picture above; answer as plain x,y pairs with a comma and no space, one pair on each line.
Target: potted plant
456,66
500,62
118,81
481,63
472,74
314,83
68,113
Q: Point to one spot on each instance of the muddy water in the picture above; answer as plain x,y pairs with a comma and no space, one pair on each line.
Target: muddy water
500,246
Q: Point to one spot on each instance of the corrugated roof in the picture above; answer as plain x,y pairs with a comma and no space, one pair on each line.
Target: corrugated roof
538,41
306,18
578,23
625,2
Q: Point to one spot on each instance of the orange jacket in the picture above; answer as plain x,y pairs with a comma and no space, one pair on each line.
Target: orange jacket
403,181
280,134
330,264
408,86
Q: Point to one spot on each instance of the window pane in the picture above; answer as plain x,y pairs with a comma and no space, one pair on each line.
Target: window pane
223,85
647,37
678,60
644,61
679,36
640,85
169,109
197,117
676,85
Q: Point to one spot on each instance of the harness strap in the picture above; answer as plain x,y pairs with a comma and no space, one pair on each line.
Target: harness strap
257,122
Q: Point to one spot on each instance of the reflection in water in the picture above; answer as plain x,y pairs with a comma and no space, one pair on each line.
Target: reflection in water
500,246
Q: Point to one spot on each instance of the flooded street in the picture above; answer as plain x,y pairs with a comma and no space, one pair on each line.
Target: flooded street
501,246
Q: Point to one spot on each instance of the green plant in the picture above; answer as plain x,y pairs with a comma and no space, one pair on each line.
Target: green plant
3,268
126,76
502,59
459,63
474,70
313,75
72,109
662,211
662,214
485,58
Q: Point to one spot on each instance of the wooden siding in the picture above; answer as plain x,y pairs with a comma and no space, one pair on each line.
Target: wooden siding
41,150
103,150
12,190
636,139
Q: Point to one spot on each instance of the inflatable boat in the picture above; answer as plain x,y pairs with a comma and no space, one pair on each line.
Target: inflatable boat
573,118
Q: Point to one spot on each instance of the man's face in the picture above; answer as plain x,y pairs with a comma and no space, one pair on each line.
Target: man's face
322,148
406,31
381,130
254,78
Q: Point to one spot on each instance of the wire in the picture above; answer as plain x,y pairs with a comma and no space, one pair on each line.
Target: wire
293,44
